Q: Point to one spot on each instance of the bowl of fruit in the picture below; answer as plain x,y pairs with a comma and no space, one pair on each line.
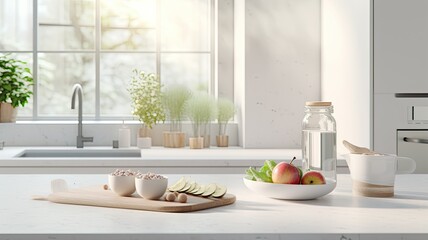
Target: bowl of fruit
286,181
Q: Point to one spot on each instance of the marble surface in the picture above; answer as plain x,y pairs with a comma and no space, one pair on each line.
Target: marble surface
339,215
164,160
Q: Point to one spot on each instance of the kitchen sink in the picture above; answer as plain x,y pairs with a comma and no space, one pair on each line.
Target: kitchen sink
79,153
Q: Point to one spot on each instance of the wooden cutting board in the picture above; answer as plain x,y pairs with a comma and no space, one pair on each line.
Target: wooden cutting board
105,198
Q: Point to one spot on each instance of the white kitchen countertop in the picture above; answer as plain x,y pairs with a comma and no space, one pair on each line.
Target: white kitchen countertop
339,215
157,156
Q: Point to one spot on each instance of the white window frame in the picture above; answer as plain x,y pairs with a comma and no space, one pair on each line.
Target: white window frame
213,87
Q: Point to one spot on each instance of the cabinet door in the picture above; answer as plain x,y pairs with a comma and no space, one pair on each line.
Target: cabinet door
400,46
415,146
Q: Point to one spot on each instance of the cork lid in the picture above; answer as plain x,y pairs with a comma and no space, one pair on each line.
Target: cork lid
318,104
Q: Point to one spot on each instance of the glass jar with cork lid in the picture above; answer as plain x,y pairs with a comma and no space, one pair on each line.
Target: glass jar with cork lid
319,140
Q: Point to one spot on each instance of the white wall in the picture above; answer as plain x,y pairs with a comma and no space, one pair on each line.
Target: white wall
239,71
346,68
225,42
278,71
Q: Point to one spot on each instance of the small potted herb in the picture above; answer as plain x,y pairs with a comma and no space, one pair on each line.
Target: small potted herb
201,111
174,102
146,96
15,87
225,112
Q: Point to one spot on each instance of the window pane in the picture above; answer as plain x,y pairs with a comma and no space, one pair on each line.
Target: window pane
66,24
57,75
65,38
128,39
128,13
185,25
16,25
193,70
128,25
116,72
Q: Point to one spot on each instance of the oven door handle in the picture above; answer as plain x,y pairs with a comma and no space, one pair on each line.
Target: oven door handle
415,140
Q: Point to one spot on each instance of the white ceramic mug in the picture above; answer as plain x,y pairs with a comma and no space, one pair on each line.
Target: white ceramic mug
374,175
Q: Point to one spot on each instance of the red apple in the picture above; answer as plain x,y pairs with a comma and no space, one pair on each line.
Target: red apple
313,177
285,173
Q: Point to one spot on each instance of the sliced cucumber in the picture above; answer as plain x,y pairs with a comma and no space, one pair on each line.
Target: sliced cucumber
210,189
201,190
186,187
196,188
220,191
178,185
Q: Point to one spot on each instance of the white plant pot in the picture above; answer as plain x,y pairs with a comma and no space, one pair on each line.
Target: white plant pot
144,142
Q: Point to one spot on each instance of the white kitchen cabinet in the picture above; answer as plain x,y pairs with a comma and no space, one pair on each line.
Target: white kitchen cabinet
400,40
373,49
400,65
413,144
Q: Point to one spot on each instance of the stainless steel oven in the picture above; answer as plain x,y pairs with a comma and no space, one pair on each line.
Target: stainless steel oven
414,144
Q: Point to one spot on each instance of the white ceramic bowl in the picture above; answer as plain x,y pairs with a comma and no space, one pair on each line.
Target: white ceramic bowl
290,191
122,185
151,188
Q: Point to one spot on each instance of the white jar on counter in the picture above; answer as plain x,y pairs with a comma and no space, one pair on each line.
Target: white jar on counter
124,137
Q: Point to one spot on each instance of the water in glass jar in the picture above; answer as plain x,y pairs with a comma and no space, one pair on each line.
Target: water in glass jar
319,152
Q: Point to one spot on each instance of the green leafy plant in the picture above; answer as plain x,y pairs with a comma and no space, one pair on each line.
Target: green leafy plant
264,174
146,96
174,101
15,81
225,112
201,110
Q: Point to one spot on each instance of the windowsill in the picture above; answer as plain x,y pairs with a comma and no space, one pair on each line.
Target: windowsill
63,133
94,122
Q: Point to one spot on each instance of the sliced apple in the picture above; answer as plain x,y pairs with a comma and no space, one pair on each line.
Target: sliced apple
210,189
178,185
201,190
220,191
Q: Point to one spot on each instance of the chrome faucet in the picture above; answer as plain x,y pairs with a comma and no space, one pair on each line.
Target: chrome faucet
77,89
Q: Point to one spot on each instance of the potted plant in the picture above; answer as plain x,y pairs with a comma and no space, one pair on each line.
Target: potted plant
15,87
210,116
146,96
200,110
225,111
174,101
